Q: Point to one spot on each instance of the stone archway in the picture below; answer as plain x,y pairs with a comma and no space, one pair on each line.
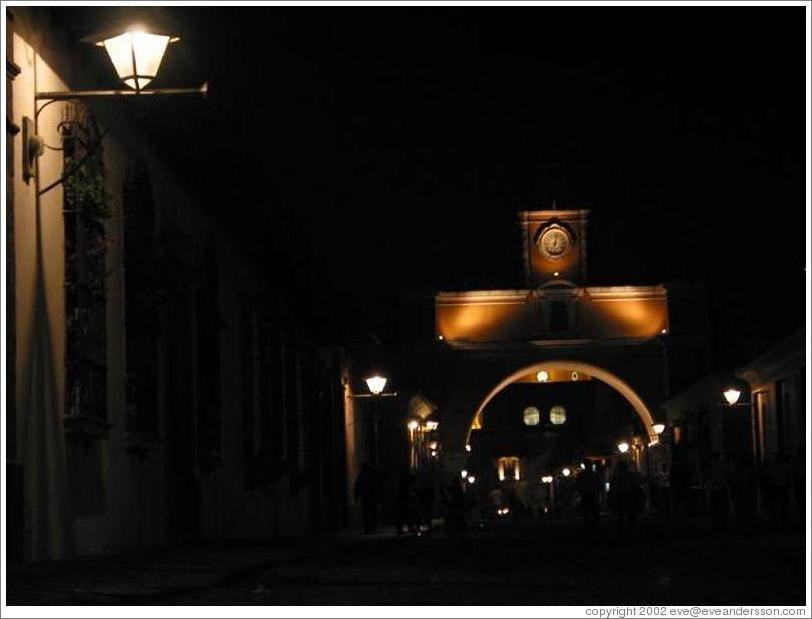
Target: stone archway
614,381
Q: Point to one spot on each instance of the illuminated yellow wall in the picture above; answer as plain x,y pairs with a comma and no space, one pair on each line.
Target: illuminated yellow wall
40,316
486,317
497,316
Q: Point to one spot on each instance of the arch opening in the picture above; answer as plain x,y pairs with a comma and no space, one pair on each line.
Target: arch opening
614,381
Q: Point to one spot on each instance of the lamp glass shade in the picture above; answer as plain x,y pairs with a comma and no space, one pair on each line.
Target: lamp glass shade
658,428
136,56
623,447
732,396
376,384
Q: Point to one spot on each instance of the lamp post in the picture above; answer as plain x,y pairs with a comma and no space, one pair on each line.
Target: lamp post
376,385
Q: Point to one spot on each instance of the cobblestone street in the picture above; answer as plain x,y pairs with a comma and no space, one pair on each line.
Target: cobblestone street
505,564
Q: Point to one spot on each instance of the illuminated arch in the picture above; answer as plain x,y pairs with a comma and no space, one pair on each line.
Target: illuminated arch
605,376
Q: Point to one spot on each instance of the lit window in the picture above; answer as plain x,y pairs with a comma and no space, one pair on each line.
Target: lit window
531,416
558,415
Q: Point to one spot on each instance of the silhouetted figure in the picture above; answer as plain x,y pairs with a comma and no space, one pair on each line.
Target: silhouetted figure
765,487
456,513
743,492
799,484
661,491
367,491
425,497
589,488
406,504
778,474
717,484
624,497
680,480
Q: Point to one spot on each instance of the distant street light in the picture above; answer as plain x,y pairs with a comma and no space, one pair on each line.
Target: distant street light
471,479
413,425
463,473
547,479
566,472
732,396
623,447
376,384
542,376
658,428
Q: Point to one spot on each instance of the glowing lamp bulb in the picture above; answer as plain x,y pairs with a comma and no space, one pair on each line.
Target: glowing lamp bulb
413,425
376,384
471,479
136,55
547,479
583,466
543,376
566,472
623,447
658,428
732,396
467,448
463,473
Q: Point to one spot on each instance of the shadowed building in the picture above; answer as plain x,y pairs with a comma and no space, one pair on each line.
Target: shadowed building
164,385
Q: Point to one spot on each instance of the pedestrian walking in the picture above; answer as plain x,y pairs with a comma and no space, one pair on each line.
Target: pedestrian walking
717,485
623,497
456,511
589,488
368,493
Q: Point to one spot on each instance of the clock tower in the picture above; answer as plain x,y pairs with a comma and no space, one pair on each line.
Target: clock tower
554,245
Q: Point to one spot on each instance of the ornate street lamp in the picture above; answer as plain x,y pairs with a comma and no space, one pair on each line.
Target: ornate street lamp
376,384
136,53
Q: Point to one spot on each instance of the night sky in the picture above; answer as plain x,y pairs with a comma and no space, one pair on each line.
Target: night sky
396,145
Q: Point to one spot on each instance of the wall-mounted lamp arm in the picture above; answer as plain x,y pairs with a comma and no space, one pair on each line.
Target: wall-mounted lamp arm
371,395
104,94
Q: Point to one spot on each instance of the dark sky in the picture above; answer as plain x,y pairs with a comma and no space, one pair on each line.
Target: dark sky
400,142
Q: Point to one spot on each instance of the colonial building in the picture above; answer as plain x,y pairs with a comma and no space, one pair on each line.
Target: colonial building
764,417
561,370
160,387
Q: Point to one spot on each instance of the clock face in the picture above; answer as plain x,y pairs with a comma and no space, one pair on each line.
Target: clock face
554,243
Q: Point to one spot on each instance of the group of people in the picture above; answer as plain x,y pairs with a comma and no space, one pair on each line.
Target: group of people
626,498
778,485
414,503
776,488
